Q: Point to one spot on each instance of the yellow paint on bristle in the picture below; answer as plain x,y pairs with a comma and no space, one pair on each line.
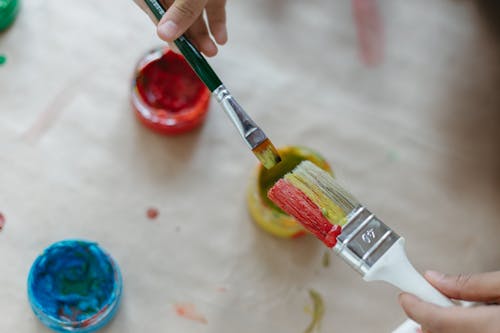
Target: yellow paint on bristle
267,154
330,210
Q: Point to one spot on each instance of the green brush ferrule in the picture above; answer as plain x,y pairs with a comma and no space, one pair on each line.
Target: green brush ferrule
189,51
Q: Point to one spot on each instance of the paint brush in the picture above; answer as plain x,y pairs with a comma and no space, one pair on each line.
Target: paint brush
253,135
364,242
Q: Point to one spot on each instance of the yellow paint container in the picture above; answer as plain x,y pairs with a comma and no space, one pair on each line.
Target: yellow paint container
263,211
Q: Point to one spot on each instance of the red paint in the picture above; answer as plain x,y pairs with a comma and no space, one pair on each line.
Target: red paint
295,203
152,213
2,221
299,234
168,96
370,31
188,311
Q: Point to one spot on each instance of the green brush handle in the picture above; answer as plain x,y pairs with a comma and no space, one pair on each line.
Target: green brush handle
189,51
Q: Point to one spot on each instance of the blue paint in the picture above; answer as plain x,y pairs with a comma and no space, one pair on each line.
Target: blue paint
74,286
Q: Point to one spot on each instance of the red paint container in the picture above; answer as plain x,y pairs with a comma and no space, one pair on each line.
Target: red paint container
167,95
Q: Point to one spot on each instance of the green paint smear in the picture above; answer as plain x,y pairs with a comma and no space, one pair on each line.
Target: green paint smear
3,59
326,259
318,312
392,156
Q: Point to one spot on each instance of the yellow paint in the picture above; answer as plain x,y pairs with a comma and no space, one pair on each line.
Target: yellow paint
318,312
326,259
330,210
267,154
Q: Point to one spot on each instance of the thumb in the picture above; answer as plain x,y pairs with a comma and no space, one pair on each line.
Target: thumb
179,17
484,287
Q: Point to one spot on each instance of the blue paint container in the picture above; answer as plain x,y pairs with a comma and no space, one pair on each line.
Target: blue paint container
74,286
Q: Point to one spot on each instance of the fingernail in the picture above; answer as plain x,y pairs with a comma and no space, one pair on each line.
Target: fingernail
400,299
433,275
222,36
168,30
209,47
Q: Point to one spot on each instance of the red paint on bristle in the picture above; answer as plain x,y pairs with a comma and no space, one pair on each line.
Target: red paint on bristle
295,203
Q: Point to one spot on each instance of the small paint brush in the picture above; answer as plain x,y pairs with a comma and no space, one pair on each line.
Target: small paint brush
253,135
334,216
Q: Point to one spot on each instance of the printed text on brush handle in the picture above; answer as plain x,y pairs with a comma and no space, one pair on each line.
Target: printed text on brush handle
364,239
190,52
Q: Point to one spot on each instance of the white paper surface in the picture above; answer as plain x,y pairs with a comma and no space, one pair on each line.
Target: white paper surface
415,139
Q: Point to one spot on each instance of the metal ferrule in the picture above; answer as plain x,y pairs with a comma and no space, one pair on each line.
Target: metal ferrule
364,239
250,132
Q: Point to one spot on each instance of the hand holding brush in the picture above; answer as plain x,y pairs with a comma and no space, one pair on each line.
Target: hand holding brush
252,134
186,16
377,253
483,288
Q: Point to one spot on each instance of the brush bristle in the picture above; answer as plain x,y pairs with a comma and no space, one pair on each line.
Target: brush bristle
267,154
312,196
322,181
297,204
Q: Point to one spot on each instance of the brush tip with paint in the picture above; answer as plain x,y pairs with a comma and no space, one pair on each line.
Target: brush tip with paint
267,154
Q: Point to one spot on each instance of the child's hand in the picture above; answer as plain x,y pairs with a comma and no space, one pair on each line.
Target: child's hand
478,288
187,16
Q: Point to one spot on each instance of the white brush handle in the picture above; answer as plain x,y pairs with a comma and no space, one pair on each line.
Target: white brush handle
395,268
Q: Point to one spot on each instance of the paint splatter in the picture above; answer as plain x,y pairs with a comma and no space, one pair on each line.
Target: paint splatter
317,313
3,59
46,119
152,213
326,259
222,289
370,32
188,311
2,221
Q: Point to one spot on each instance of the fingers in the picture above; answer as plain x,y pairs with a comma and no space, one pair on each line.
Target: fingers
198,33
179,17
483,287
216,14
174,48
436,319
146,9
187,15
